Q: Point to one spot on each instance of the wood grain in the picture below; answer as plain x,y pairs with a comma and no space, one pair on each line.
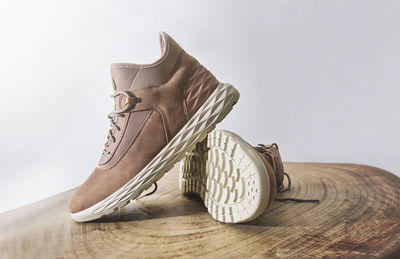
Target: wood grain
358,216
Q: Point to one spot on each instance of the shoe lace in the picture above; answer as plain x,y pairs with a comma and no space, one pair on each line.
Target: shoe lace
150,193
130,101
282,189
263,149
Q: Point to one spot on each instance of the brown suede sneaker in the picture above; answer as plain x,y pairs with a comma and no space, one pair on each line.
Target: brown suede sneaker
236,181
161,111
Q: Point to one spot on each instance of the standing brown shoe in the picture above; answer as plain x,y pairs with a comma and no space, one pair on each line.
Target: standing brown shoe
161,111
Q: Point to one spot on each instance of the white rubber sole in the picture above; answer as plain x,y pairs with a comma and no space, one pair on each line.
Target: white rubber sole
229,176
214,110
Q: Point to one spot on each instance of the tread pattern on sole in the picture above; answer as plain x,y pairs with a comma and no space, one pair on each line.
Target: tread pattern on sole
226,177
214,110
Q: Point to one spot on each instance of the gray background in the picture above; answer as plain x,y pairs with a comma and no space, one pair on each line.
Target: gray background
321,78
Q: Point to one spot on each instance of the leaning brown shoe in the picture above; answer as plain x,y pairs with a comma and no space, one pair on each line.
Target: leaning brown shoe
161,111
236,181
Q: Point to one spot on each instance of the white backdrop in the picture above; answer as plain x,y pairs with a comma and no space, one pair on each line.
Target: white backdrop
321,78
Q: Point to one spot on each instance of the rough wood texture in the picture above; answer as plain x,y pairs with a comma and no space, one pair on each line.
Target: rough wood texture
358,216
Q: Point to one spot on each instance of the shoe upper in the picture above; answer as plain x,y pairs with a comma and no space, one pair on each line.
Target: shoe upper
152,103
273,157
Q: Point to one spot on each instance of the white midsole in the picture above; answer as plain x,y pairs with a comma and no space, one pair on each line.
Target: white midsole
209,114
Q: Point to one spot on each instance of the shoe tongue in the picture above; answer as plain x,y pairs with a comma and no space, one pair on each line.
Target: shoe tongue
122,79
119,102
123,76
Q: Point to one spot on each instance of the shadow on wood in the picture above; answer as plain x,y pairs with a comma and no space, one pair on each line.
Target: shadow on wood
358,216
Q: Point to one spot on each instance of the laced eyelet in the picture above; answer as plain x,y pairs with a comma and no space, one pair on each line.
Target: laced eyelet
130,102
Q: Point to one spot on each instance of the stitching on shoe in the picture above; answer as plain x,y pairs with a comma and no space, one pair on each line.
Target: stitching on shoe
119,141
165,122
132,141
189,76
162,113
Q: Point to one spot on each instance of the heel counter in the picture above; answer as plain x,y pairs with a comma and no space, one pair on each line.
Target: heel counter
199,87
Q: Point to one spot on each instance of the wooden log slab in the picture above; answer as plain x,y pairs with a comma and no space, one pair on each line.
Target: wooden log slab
358,216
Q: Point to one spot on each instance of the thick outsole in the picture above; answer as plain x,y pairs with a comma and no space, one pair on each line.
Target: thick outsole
229,176
214,110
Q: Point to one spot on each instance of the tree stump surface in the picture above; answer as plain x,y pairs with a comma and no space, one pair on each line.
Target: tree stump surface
358,216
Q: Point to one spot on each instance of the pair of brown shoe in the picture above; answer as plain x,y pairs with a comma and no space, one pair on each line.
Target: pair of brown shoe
162,110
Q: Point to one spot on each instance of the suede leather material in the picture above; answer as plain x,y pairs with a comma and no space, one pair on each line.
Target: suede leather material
104,182
273,162
129,78
276,163
132,124
201,84
160,112
169,97
271,153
